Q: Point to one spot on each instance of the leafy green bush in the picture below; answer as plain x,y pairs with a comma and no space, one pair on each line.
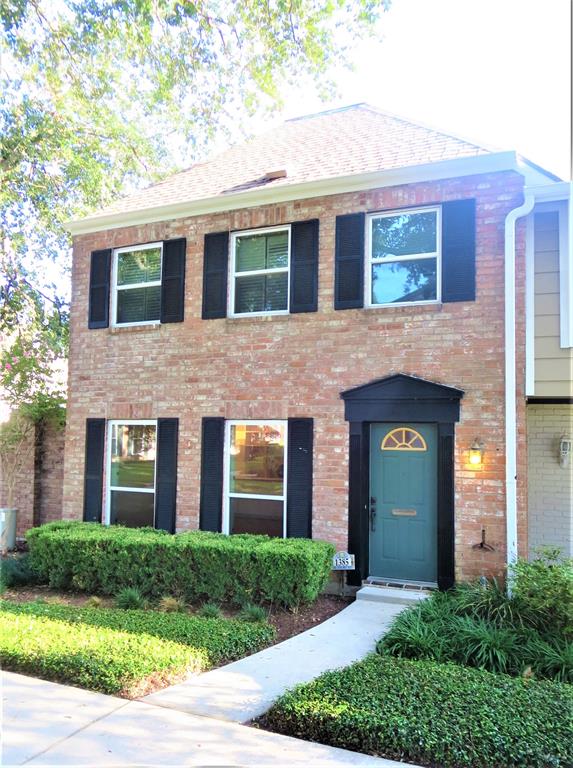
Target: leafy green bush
553,659
252,612
543,588
217,640
481,625
475,642
196,565
17,571
414,636
478,643
433,714
129,597
106,660
541,596
489,601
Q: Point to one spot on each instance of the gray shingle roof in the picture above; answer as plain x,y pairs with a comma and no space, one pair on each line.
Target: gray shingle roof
352,140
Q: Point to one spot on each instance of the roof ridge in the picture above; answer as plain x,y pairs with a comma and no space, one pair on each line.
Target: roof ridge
394,116
326,112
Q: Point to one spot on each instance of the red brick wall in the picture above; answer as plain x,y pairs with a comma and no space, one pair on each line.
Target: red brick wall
279,367
50,474
23,489
39,484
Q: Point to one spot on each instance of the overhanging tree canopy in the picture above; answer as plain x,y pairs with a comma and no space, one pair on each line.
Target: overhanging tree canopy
101,95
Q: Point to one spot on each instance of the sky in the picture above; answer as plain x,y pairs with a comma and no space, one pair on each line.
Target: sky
495,71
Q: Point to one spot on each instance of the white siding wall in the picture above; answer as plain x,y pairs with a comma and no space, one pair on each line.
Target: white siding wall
550,487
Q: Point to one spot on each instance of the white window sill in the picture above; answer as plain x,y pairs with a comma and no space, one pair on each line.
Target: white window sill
258,315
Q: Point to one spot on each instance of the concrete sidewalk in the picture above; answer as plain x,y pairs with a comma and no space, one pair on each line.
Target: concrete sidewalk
49,724
245,689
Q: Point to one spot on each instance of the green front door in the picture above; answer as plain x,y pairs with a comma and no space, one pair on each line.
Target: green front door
403,502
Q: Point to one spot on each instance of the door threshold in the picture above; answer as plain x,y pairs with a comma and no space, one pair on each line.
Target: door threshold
379,581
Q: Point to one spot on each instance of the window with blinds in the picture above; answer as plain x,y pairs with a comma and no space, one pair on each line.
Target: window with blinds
260,272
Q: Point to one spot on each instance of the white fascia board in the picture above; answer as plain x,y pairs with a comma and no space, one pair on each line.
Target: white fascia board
551,192
446,169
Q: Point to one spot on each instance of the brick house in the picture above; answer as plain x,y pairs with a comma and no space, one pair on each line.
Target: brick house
304,336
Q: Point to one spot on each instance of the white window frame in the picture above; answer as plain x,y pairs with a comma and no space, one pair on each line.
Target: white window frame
227,495
108,487
369,261
115,288
233,274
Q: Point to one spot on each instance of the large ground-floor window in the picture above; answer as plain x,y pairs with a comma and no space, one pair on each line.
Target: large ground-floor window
255,477
130,473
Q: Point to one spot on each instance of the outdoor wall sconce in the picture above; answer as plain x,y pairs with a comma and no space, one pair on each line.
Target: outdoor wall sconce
476,454
565,448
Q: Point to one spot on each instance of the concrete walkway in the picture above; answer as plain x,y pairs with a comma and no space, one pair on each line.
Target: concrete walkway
245,689
49,724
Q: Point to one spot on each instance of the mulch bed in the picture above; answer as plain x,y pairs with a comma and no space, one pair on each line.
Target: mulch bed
287,623
290,623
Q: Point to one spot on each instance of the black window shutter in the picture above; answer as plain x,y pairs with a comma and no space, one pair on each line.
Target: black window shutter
211,505
299,478
459,250
304,266
173,280
215,267
100,271
166,474
349,266
93,470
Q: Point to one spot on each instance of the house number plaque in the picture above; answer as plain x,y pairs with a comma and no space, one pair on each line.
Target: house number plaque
342,561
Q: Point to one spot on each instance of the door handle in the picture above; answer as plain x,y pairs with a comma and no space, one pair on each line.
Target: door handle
372,514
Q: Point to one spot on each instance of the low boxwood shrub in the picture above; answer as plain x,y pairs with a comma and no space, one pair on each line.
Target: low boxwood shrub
101,659
215,640
432,714
195,565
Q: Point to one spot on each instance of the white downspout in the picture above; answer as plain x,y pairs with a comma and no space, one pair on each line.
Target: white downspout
510,379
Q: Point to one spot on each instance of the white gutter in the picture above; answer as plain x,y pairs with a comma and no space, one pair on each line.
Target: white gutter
510,379
280,193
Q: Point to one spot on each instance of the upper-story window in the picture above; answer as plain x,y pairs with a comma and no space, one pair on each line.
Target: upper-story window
260,264
136,292
404,257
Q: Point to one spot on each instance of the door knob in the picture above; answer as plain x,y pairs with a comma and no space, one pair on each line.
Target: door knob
372,513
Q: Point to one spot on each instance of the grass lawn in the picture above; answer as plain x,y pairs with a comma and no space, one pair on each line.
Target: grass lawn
124,652
433,714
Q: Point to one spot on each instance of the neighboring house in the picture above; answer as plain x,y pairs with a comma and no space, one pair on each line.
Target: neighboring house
549,367
304,336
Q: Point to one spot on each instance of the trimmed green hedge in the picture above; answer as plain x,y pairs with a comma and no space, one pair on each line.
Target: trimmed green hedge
196,565
216,641
433,714
100,659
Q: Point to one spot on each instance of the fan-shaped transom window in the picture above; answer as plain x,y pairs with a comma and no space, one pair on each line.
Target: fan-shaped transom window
403,439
